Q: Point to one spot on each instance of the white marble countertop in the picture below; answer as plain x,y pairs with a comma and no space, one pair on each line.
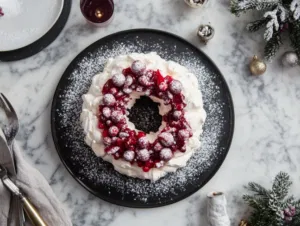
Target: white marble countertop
267,134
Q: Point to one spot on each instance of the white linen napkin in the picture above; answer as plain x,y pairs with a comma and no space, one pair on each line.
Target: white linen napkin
36,188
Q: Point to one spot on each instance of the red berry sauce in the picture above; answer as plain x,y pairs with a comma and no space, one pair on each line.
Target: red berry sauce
132,146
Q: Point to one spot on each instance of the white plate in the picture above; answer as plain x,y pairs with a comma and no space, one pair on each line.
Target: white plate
25,21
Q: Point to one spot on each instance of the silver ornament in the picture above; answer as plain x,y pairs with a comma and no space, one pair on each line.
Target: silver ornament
205,33
290,59
195,3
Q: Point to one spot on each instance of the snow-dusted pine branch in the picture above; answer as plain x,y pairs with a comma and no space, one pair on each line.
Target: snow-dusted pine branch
295,8
238,7
276,17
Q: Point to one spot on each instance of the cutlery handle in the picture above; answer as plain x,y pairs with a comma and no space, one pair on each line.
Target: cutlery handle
32,213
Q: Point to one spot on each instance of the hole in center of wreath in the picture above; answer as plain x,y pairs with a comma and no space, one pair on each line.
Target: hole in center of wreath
145,116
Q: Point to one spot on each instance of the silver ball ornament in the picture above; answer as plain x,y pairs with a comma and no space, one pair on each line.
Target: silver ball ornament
290,59
195,3
205,33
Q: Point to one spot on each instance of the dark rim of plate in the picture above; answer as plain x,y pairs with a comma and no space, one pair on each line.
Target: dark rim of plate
119,202
41,43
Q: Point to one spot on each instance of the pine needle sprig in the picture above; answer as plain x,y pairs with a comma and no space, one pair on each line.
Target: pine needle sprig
295,36
272,46
281,185
256,25
278,16
237,7
255,202
273,207
258,189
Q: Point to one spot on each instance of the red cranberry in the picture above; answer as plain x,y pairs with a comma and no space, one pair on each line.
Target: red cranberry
117,141
159,164
108,123
175,87
159,77
149,163
114,139
157,147
129,155
146,169
166,139
139,89
163,86
127,90
143,142
183,149
130,143
105,133
113,131
148,92
106,112
144,80
100,125
119,94
113,90
183,134
140,163
109,99
116,156
123,134
138,67
166,154
117,116
112,150
170,95
143,155
179,106
107,141
141,134
118,80
122,124
128,81
149,74
177,115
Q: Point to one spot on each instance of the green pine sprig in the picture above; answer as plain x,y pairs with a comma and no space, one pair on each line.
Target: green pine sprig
237,7
269,205
278,16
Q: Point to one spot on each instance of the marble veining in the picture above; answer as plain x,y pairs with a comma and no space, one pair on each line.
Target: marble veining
267,134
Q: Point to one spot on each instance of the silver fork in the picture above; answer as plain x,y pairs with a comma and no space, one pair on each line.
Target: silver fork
10,131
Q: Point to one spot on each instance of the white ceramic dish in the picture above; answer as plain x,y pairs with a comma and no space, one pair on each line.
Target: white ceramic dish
26,21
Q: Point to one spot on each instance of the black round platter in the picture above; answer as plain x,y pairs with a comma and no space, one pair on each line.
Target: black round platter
98,176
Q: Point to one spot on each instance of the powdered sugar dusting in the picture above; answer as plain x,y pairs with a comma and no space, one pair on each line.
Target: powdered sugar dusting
94,171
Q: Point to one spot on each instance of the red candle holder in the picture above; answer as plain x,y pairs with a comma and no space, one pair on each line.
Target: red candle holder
97,12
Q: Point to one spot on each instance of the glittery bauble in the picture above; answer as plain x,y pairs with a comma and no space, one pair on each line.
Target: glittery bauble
205,33
290,59
195,3
257,66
